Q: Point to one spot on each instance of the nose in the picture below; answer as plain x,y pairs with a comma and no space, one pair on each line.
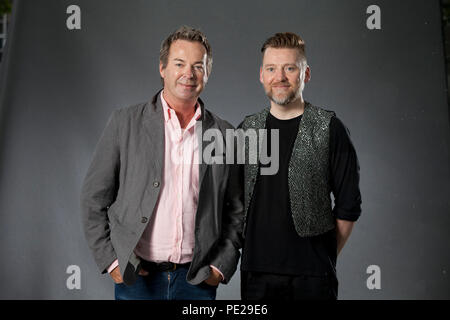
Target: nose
189,72
280,75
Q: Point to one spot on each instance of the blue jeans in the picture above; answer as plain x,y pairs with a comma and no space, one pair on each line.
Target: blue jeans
165,285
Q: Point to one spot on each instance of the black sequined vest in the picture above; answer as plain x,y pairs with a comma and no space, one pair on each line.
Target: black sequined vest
308,173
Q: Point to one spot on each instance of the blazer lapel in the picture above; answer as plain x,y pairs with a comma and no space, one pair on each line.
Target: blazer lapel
206,123
154,129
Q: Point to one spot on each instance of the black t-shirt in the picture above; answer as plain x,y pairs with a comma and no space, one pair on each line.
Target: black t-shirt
271,242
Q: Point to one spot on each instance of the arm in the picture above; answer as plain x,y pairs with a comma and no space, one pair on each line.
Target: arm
343,230
345,181
227,254
99,192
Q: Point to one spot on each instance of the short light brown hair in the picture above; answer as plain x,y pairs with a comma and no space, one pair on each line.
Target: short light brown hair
285,40
189,34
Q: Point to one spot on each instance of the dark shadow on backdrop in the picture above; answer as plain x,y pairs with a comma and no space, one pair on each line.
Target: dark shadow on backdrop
4,84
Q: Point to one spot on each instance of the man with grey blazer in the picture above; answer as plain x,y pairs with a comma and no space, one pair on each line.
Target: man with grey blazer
164,223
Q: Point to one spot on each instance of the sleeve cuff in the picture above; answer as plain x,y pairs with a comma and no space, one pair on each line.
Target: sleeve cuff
346,215
113,266
223,278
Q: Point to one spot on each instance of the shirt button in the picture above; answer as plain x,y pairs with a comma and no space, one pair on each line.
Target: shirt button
144,220
156,184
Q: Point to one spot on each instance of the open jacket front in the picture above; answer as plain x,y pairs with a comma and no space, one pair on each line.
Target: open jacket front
123,183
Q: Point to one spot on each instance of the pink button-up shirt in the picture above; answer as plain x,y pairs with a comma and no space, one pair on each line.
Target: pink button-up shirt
170,234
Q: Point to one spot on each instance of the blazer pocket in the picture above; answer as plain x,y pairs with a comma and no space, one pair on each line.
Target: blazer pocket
116,213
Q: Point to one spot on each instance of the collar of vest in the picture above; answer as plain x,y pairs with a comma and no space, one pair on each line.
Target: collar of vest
258,120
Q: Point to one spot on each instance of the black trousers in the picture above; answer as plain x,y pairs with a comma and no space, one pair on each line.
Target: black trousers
269,286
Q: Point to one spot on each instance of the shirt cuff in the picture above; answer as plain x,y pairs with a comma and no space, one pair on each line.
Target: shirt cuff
113,266
223,278
342,214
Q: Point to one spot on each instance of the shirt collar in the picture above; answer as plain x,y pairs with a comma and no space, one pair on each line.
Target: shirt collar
169,113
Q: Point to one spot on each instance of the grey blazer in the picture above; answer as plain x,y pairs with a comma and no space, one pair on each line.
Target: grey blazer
123,183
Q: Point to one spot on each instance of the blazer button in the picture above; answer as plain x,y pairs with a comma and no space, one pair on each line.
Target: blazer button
144,220
156,184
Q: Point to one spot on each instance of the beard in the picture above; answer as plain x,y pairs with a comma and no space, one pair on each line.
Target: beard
283,100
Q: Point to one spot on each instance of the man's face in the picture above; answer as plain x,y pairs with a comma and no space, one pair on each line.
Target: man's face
283,75
185,73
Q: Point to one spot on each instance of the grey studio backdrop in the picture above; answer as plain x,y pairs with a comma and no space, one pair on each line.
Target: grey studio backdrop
59,86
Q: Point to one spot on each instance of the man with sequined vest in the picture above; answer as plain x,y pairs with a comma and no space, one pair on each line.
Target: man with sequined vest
292,232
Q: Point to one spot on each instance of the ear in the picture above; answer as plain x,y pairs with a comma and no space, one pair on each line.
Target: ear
161,69
261,75
307,74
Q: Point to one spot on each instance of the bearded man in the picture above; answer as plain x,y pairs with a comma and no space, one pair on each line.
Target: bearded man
292,233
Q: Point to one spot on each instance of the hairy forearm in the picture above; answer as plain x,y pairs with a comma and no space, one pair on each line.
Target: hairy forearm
343,230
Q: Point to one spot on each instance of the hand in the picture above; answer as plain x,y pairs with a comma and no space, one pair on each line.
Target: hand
115,275
214,278
142,272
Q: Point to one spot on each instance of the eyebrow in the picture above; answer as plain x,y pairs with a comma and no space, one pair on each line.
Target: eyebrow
181,60
284,65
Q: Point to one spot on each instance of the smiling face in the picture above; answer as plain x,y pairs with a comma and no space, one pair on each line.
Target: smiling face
185,74
283,75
